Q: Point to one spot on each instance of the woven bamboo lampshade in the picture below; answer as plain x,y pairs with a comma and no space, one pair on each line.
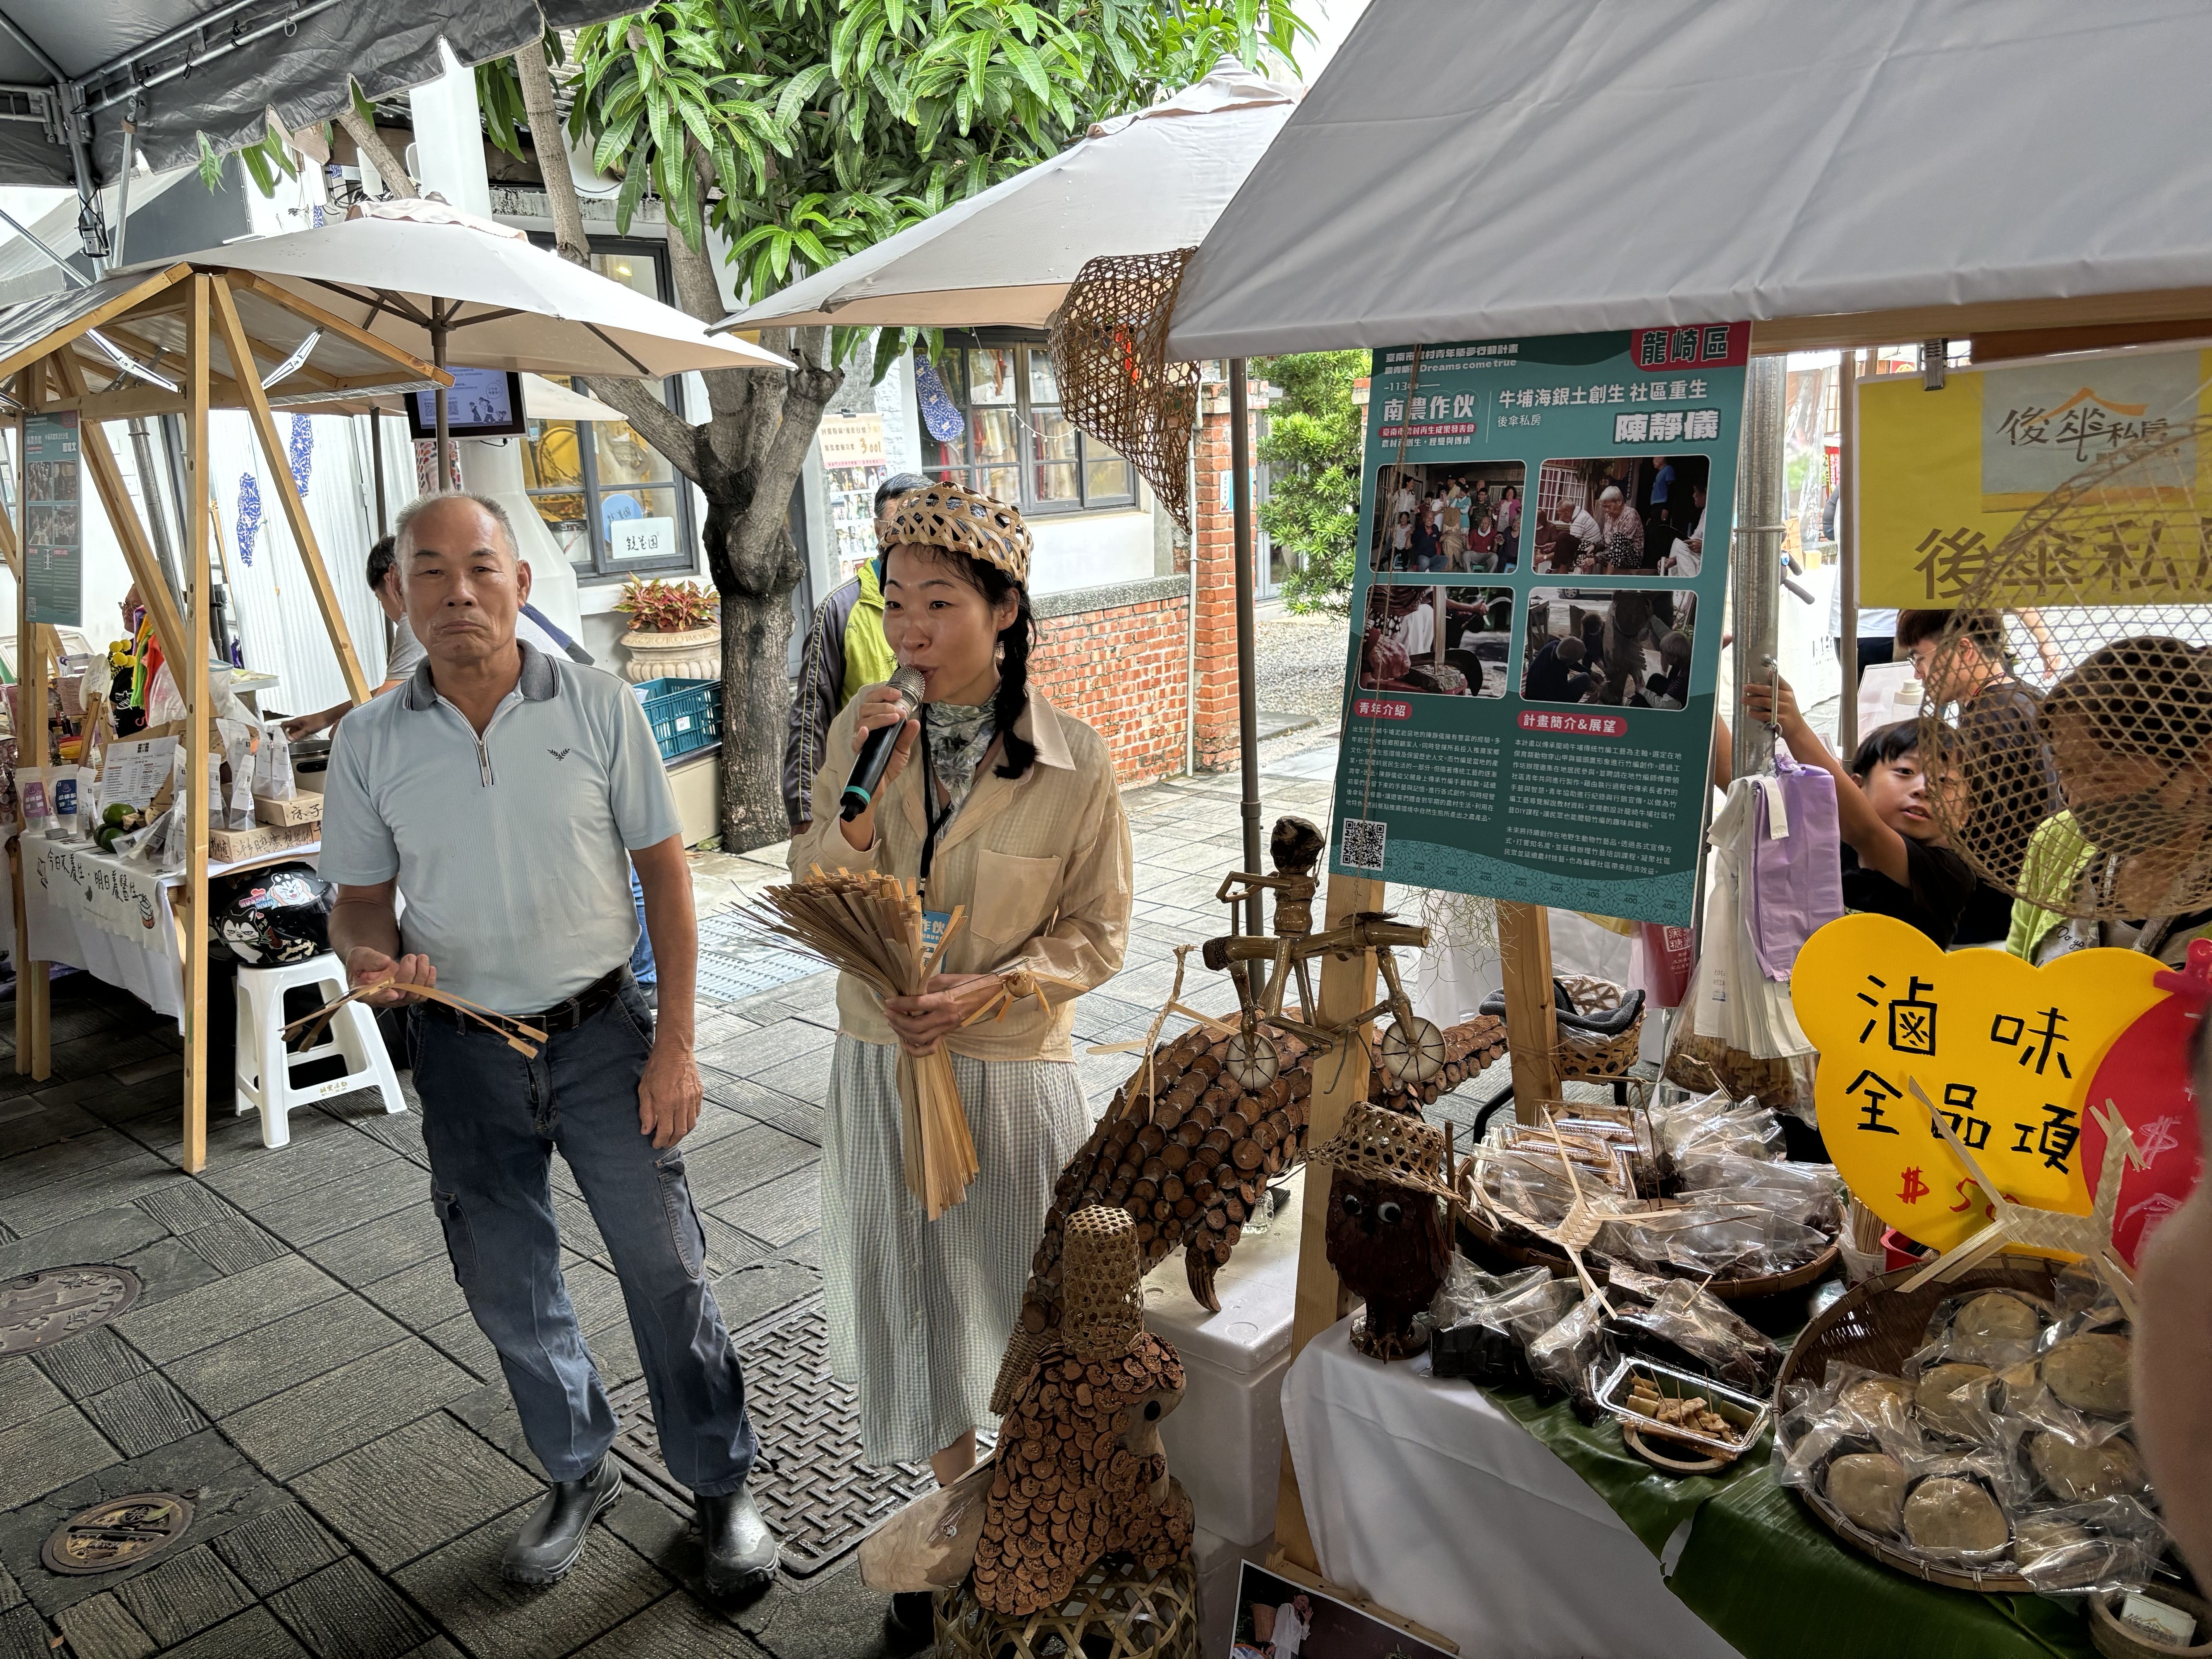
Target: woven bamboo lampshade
1110,351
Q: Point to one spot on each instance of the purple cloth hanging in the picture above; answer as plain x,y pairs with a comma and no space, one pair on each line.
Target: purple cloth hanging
1796,884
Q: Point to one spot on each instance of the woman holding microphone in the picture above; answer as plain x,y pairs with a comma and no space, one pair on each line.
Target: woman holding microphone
1001,803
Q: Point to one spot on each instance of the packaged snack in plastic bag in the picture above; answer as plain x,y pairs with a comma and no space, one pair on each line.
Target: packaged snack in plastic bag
1691,1328
1714,1124
1575,1354
1997,1328
272,764
2105,1546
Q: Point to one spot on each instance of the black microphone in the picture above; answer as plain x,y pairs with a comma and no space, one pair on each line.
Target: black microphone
876,748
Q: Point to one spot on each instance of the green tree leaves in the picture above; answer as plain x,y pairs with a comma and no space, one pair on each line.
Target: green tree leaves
806,131
1312,450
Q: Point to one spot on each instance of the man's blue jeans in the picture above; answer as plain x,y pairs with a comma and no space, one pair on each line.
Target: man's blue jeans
491,1120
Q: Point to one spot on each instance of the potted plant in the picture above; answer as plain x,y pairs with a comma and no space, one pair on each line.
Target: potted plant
675,633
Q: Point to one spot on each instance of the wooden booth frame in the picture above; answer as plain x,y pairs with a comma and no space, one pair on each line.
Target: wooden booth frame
229,339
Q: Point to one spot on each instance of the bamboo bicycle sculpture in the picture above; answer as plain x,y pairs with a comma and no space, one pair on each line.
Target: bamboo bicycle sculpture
1411,1050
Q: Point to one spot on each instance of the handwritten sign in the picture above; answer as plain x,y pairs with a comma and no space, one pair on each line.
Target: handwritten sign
642,539
2005,1050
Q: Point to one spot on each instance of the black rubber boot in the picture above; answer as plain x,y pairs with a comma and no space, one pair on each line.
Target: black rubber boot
551,1541
913,1618
741,1552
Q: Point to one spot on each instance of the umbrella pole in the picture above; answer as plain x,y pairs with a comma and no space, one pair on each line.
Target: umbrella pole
1248,693
437,357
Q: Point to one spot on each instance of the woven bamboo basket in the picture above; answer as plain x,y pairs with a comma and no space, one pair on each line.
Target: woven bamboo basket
1116,1611
1878,1327
1492,1247
1585,1056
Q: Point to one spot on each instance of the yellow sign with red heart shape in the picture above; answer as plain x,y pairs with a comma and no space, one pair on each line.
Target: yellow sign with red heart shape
2003,1049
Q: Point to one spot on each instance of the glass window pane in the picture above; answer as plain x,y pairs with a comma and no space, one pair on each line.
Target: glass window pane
1000,483
624,458
639,526
1044,385
1054,435
992,438
991,376
1055,482
1105,473
638,271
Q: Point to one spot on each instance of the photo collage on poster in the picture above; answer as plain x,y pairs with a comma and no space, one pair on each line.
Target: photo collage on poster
1544,523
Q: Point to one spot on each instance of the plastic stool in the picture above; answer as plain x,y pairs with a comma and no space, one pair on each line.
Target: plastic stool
264,1069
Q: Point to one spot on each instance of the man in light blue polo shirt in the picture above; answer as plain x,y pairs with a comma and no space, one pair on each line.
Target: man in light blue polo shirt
507,795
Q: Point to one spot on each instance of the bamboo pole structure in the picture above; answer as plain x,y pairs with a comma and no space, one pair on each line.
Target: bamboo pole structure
197,323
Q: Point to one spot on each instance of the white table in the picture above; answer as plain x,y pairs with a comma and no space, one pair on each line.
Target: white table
1424,1497
115,919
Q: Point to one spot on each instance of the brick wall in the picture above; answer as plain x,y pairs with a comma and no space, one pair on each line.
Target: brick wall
1114,657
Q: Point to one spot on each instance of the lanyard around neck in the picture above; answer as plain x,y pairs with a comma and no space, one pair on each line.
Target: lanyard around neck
931,816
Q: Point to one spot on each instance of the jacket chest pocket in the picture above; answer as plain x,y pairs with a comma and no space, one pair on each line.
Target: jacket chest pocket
1013,896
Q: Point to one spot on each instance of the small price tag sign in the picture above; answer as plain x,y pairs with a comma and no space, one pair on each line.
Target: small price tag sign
2006,1051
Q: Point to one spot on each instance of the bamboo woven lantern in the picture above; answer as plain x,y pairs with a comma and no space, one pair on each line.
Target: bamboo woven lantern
1116,1611
1109,343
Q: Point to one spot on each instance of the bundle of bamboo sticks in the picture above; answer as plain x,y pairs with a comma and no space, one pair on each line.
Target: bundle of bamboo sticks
870,925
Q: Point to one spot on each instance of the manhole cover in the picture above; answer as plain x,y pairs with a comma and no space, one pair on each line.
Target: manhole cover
120,1533
809,1480
41,1309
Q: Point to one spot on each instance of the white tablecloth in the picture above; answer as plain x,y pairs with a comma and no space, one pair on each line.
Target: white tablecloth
1424,1497
112,919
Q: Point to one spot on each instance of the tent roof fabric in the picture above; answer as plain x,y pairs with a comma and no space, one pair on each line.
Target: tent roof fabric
214,66
1467,169
1147,182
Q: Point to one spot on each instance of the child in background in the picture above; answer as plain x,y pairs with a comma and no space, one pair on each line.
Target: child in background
1895,861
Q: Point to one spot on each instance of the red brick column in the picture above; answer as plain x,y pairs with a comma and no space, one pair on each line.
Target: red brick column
1215,550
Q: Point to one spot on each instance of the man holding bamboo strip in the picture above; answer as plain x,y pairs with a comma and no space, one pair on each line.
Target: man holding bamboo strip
509,794
1004,810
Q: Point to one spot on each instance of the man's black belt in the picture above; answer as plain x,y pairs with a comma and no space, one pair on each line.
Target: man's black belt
560,1017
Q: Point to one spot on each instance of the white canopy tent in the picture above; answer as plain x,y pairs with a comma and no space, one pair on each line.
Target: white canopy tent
1471,168
1142,183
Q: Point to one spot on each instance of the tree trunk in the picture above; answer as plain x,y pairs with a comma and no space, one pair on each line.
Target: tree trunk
389,167
568,236
746,458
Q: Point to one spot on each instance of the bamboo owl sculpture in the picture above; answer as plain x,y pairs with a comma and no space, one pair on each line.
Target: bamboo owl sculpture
1079,1472
1386,1235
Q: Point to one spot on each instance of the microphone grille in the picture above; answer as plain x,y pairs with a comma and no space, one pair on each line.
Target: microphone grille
911,684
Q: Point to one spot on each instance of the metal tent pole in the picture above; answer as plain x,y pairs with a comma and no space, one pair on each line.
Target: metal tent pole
376,465
1248,691
1755,571
438,316
1847,557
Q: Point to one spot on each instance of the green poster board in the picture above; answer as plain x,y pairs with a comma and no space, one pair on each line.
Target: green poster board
1535,622
54,520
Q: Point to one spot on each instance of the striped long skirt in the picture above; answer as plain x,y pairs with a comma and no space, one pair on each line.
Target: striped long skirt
920,1310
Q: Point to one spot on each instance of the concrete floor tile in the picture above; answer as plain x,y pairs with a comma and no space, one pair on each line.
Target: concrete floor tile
167,1267
421,1296
462,1340
256,1364
756,1052
90,1361
320,1150
49,1451
183,1594
806,1077
674,1627
253,1634
182,1205
25,1393
303,1218
332,1413
277,1548
596,1294
231,1246
780,1211
23,1635
102,1628
200,1318
461,1588
490,1414
346,1612
753,1293
417,1488
104,1235
750,1159
363,1255
143,1413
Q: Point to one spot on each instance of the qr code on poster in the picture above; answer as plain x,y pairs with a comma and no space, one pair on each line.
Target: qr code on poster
1362,843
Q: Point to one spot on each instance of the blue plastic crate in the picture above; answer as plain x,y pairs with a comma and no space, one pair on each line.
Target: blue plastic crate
685,714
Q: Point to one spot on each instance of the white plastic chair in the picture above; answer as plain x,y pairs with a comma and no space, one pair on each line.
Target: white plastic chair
263,1069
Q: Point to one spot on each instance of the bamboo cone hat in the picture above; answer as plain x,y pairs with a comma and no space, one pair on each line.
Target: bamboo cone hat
1102,1278
1377,1144
963,521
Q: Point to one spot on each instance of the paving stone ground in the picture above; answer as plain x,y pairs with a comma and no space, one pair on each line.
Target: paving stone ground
302,1362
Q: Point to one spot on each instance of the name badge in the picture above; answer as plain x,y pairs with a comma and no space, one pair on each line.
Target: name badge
934,924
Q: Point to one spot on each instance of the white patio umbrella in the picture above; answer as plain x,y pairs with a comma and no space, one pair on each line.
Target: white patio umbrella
1142,183
549,400
466,292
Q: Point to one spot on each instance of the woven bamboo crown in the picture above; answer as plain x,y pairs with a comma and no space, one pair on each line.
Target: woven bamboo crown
1378,1144
1103,1279
966,522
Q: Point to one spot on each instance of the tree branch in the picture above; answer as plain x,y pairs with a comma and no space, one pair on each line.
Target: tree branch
552,148
370,144
658,425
